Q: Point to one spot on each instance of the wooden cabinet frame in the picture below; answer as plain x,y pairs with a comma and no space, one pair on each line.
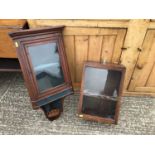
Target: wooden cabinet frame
106,66
27,38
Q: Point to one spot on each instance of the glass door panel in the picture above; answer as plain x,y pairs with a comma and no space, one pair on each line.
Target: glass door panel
46,65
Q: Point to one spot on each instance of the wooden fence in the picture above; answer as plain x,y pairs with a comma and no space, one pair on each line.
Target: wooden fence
130,42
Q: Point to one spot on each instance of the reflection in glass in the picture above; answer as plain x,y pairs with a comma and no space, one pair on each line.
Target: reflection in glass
101,87
46,65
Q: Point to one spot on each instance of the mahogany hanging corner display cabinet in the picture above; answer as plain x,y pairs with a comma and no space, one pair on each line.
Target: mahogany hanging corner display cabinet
101,92
44,65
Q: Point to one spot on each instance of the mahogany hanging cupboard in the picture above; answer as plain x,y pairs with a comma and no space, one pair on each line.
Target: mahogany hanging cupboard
101,92
44,65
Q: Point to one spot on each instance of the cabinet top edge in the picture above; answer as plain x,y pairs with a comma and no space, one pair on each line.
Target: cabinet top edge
36,31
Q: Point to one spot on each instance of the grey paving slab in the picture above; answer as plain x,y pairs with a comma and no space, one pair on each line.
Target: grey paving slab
137,115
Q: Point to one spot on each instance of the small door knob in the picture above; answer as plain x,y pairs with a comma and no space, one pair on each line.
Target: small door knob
139,66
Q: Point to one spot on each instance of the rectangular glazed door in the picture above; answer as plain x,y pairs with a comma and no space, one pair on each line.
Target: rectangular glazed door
143,78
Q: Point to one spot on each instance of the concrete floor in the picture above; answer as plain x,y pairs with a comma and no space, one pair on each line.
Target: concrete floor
137,115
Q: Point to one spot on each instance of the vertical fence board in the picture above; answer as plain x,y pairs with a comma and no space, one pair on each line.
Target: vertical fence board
107,48
81,51
70,52
95,45
118,45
